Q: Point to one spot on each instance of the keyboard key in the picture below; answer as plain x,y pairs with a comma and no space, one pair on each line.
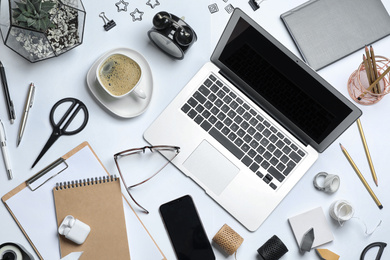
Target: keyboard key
233,105
268,177
273,129
246,106
274,161
253,121
228,121
258,159
261,150
247,138
245,147
286,150
254,167
192,113
206,114
226,89
258,136
284,159
208,105
251,153
280,167
206,126
273,138
271,147
214,110
295,157
221,94
232,114
232,136
239,101
294,147
266,133
276,174
185,108
199,108
260,118
192,102
264,142
226,143
221,116
238,119
218,103
239,142
225,108
227,99
290,167
244,125
241,132
247,161
208,82
273,186
213,119
251,130
240,110
225,131
247,116
205,91
266,123
259,174
212,97
279,144
254,144
234,127
212,77
198,119
219,125
214,88
199,97
277,153
301,153
287,141
232,94
219,83
267,155
260,127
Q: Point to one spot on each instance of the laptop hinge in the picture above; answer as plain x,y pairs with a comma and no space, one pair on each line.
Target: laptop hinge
265,109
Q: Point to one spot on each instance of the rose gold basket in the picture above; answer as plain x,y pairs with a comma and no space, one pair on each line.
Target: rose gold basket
358,83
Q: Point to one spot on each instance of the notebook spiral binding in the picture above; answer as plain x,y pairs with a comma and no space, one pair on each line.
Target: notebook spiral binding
85,182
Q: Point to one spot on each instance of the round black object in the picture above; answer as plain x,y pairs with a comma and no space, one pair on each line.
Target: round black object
184,36
273,249
9,256
160,20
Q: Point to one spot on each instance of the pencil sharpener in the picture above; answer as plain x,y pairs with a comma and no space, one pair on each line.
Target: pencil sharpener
13,251
74,229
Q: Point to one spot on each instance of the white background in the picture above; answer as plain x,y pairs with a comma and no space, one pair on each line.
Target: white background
65,76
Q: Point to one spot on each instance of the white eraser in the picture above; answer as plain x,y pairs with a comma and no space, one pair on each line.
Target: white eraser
74,229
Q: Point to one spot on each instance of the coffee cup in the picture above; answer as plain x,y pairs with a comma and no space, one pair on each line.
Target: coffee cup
120,75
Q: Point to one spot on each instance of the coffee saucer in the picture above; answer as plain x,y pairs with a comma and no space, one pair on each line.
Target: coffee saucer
128,106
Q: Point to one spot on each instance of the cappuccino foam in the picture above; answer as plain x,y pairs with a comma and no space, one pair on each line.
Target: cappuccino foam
119,74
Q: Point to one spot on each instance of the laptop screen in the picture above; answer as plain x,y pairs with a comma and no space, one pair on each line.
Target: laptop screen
284,86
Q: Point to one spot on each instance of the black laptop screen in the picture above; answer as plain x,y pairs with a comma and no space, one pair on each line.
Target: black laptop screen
277,83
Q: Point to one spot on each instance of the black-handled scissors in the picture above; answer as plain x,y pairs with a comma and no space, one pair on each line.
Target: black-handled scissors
381,246
60,128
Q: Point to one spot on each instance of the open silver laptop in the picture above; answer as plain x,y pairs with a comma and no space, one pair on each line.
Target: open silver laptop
251,122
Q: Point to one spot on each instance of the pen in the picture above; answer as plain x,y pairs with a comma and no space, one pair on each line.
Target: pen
367,151
3,140
361,177
10,104
27,106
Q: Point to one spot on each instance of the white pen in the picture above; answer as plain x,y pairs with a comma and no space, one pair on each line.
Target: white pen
4,149
27,106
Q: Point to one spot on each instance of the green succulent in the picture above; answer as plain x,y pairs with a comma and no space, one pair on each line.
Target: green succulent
34,14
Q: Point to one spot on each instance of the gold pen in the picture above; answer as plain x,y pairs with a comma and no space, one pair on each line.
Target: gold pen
367,151
361,177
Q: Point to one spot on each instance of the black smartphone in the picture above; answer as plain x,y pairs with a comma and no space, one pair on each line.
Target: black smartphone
185,230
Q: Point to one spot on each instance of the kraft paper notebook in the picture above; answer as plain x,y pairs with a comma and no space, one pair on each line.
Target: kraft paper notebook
97,203
31,204
328,30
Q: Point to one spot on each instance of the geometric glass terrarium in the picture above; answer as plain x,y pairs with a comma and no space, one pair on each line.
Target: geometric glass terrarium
42,29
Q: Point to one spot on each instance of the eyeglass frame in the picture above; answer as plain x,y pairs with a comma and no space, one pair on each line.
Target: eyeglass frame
133,151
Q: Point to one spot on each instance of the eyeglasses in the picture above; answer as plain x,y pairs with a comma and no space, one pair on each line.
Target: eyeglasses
145,162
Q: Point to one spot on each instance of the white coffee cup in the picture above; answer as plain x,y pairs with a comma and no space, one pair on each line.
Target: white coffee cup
120,75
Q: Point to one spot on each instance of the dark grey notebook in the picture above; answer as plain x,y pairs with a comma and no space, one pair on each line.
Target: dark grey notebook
328,30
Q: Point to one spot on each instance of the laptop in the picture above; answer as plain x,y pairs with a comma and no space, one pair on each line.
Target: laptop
251,122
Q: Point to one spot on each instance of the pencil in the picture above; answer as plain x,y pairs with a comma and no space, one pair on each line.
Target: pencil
372,55
378,203
373,84
366,68
370,68
367,151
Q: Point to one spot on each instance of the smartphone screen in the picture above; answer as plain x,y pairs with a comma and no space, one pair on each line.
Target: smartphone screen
185,230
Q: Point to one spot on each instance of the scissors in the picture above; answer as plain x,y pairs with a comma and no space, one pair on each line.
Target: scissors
381,246
60,128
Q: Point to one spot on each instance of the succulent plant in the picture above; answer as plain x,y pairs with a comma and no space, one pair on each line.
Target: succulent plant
34,14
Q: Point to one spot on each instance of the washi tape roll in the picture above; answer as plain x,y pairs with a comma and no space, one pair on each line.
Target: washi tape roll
228,239
341,211
273,249
331,182
10,252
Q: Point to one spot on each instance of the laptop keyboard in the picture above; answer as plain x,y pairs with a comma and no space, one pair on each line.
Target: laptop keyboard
243,131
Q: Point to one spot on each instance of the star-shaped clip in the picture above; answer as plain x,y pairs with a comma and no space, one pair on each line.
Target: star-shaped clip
137,15
153,5
120,4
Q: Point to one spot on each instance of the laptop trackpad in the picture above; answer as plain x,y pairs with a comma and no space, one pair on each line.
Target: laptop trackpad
211,167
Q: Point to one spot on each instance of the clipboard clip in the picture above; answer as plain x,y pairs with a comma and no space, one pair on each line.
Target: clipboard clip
34,179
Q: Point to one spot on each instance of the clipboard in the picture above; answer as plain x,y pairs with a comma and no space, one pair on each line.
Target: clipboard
40,227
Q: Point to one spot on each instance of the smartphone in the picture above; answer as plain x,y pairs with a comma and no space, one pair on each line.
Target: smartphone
185,230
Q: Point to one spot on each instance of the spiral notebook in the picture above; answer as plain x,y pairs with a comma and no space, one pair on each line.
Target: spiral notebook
98,203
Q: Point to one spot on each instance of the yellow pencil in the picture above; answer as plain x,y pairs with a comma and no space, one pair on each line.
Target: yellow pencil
374,83
367,151
375,70
378,203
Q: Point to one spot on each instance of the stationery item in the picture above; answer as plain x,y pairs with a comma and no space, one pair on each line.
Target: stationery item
331,182
152,3
4,150
35,196
241,136
10,104
136,15
108,24
228,240
341,211
98,202
14,251
367,151
358,83
375,69
381,246
328,30
273,249
315,219
172,34
27,107
61,127
122,5
362,179
326,254
374,83
74,229
307,241
255,4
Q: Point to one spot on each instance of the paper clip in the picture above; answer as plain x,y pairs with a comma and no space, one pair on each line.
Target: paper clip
108,24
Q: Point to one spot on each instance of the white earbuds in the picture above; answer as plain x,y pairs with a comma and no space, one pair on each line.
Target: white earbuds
74,230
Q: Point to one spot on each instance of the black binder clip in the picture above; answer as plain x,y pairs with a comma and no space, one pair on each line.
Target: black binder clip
108,24
255,4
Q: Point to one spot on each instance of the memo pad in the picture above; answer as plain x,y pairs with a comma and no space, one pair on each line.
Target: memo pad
315,219
328,30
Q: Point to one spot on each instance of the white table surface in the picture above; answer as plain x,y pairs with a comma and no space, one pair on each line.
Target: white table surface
65,76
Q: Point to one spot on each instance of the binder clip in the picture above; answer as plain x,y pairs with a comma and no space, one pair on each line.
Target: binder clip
255,4
108,24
